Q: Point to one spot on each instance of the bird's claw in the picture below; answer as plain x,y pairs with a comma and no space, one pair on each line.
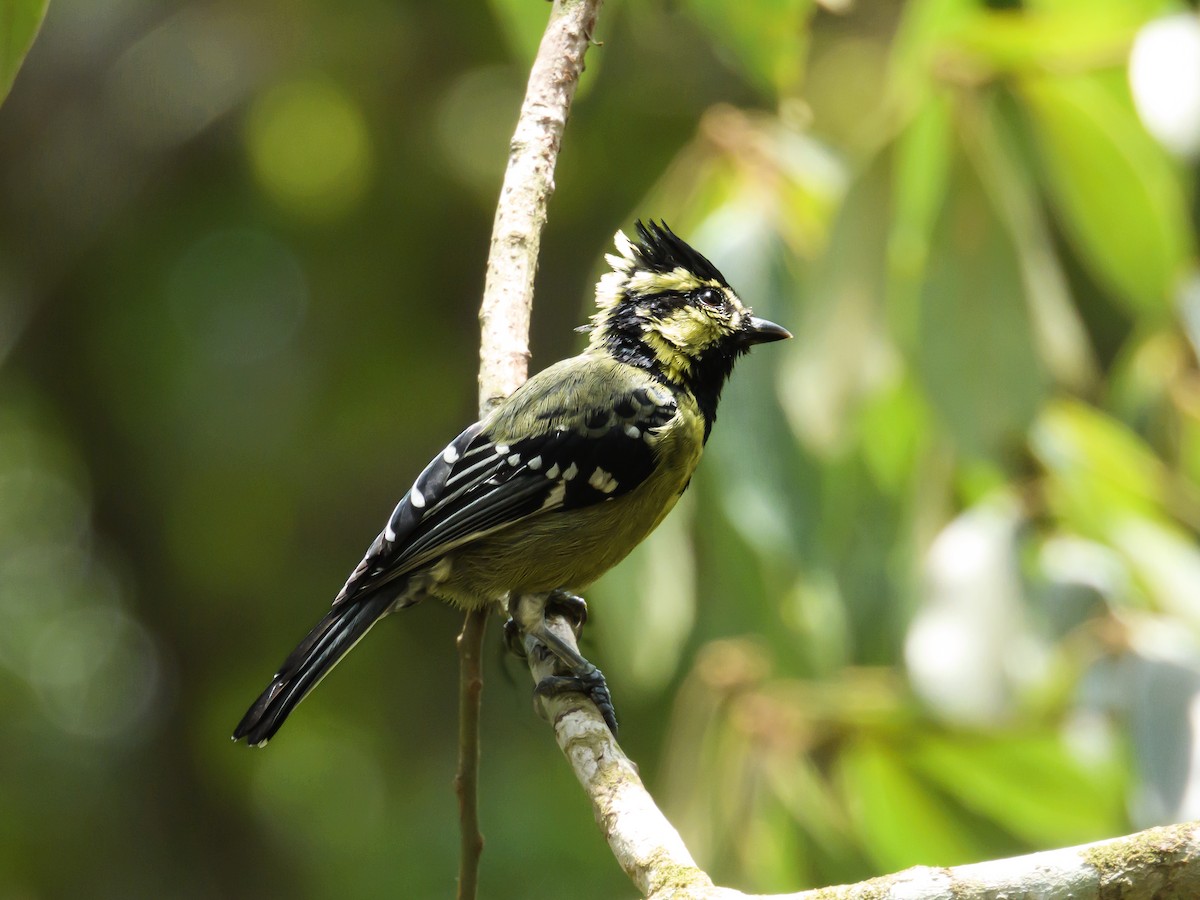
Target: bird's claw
528,624
591,684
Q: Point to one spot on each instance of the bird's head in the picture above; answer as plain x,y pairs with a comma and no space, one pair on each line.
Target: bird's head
667,309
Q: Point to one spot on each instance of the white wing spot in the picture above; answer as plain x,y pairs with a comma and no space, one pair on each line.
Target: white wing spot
515,459
450,455
535,463
416,498
571,471
555,497
633,431
390,533
502,449
552,472
603,481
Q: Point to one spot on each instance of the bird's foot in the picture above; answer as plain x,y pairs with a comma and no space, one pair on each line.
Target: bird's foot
589,682
570,606
528,614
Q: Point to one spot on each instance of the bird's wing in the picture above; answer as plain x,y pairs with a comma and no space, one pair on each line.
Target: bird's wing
480,483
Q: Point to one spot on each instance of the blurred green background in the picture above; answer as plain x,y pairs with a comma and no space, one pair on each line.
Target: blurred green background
934,596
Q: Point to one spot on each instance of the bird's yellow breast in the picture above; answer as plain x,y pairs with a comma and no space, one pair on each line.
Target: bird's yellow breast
571,548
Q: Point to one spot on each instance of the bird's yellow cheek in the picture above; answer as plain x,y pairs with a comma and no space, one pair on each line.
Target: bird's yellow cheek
690,331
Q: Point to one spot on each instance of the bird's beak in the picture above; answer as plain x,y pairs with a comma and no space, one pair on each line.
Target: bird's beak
760,331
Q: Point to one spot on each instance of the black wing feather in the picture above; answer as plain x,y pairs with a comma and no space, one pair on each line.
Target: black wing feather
479,484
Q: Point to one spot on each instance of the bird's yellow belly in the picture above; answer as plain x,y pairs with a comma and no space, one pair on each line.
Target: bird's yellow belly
539,555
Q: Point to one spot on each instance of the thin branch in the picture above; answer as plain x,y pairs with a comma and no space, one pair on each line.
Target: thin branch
1161,863
504,327
528,184
645,844
466,781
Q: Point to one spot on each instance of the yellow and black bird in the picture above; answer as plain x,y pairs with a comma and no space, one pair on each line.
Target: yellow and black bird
559,482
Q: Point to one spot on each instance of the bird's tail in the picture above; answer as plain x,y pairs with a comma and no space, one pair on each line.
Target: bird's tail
335,635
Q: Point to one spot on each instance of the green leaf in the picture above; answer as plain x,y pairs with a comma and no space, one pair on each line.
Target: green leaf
1059,332
921,37
1113,187
19,24
1085,9
768,39
976,354
840,340
894,429
1099,471
921,169
1165,561
1056,40
1030,785
899,819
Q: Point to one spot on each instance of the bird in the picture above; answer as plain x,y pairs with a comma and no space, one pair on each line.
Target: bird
560,481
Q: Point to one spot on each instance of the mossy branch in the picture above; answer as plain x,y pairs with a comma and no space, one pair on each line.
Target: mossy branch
1158,864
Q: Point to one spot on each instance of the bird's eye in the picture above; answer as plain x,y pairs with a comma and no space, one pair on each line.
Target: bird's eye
710,297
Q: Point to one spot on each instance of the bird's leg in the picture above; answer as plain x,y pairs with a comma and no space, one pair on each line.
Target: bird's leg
513,638
528,617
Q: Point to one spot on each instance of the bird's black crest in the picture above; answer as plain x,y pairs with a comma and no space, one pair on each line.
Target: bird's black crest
661,250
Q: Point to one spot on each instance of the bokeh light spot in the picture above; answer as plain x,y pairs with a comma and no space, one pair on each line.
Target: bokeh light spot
309,148
96,672
238,295
475,120
1164,76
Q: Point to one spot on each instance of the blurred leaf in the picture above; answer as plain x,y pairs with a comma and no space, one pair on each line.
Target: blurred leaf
1161,682
773,851
894,428
1059,332
840,346
1099,469
899,820
768,40
1030,785
1165,561
801,788
922,162
921,39
1113,187
19,24
975,352
1084,9
1048,41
